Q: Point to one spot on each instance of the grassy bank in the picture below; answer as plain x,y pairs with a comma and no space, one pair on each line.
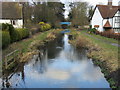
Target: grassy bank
29,46
102,37
102,53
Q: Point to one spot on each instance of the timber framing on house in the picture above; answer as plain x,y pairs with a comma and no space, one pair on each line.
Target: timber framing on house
107,17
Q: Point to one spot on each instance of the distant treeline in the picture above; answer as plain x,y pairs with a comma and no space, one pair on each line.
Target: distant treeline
48,12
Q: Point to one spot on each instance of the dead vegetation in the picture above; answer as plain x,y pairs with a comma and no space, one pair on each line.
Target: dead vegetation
34,47
104,55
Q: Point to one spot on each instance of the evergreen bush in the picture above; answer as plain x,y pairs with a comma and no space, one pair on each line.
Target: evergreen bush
22,33
5,38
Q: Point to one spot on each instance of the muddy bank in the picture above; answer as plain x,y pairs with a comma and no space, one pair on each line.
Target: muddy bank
107,63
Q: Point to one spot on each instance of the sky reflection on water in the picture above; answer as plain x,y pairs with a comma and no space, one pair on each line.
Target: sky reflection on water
61,66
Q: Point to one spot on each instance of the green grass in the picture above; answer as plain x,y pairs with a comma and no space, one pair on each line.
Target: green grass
102,37
106,56
26,47
24,44
108,52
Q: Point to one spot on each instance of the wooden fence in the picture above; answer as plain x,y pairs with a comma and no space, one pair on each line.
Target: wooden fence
11,58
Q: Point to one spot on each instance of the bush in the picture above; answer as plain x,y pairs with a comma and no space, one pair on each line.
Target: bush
90,26
44,26
0,26
48,26
93,30
22,33
11,30
5,38
109,34
41,23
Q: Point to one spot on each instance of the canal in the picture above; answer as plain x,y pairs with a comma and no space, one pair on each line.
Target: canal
59,66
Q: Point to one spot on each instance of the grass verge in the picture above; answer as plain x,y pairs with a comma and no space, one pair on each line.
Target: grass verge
29,46
102,53
111,40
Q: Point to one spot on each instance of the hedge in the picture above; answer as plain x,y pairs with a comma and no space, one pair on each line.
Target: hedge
5,38
10,34
22,33
11,30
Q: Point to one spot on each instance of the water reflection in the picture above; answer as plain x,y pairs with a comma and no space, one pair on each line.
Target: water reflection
61,65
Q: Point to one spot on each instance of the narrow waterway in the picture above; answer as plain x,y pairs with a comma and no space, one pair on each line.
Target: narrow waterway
60,66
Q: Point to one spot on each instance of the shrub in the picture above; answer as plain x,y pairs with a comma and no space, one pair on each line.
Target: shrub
5,38
44,26
109,34
0,26
93,30
11,30
48,26
90,26
41,23
22,33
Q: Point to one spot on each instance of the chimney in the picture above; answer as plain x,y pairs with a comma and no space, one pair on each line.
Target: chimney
110,2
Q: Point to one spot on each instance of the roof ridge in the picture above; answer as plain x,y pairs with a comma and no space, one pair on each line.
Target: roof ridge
106,11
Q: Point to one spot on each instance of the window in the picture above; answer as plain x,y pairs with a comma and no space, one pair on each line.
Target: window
13,22
117,30
117,19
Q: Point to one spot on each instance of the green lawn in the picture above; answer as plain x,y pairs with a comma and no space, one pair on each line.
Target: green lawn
102,37
24,44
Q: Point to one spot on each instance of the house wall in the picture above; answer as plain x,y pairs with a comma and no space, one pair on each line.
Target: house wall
97,20
110,21
116,25
18,23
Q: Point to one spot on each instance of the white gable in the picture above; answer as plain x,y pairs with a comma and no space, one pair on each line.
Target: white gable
97,20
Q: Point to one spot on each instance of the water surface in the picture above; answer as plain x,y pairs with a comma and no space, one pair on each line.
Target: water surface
60,66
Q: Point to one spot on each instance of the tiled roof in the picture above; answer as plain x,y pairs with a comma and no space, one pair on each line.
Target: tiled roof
107,11
11,10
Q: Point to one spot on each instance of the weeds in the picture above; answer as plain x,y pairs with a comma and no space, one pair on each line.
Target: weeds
102,53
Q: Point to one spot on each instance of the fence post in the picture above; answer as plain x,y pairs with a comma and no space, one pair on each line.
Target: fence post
5,63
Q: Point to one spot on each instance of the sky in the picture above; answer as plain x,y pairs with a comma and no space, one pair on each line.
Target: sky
90,2
66,2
